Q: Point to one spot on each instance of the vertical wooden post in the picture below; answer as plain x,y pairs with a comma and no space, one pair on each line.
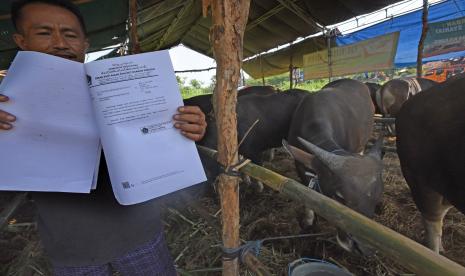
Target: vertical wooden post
424,30
135,45
291,71
330,58
261,70
291,68
229,20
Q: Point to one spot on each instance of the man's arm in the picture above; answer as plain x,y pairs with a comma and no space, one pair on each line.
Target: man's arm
191,121
6,119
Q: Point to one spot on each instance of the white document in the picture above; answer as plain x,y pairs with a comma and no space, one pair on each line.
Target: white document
64,108
54,144
135,98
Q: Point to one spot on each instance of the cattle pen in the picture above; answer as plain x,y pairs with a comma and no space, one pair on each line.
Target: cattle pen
410,254
227,48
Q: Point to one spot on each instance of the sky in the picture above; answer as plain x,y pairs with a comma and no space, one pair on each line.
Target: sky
185,59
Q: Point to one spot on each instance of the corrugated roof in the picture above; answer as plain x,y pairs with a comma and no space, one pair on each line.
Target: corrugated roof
165,23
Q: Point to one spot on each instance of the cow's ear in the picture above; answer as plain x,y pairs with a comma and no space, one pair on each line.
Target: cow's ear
299,155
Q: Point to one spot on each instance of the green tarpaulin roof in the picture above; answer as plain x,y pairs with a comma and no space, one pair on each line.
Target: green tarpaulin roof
166,23
278,62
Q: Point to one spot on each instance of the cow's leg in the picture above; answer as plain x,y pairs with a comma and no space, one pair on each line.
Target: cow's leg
433,207
433,227
306,219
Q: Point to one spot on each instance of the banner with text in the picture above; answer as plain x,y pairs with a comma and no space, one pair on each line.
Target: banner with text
445,37
369,55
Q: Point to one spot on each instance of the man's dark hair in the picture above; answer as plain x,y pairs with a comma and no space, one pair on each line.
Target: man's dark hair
18,5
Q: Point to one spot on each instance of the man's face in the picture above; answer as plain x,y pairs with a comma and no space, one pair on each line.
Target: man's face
52,30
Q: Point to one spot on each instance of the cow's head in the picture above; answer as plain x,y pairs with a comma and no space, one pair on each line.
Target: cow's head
353,180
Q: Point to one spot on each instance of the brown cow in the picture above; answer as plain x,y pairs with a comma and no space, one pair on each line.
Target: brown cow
431,149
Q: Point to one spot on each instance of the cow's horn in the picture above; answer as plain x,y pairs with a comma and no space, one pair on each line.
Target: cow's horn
331,160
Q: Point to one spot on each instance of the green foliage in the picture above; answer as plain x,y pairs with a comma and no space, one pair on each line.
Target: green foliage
282,82
194,88
196,84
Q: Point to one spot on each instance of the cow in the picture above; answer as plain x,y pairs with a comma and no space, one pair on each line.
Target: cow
257,90
374,91
273,112
333,126
205,101
394,93
431,148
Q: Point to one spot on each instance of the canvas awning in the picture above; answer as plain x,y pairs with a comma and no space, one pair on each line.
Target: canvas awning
166,23
278,62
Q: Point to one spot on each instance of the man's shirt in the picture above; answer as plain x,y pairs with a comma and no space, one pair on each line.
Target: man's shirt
88,229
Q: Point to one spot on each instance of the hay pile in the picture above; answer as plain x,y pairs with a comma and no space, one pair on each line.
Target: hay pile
193,229
269,214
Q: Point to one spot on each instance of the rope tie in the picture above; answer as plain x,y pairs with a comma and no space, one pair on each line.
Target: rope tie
233,170
255,246
241,251
313,183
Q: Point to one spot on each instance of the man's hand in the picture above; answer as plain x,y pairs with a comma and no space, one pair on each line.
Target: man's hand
5,118
191,122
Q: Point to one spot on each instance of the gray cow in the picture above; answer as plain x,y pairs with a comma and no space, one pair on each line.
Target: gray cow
273,112
334,125
394,93
431,149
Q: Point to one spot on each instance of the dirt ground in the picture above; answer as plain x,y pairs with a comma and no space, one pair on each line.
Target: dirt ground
193,229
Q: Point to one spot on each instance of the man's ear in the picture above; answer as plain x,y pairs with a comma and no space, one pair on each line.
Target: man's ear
19,40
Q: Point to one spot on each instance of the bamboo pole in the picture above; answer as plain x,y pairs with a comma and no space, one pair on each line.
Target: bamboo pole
395,246
424,30
229,20
135,45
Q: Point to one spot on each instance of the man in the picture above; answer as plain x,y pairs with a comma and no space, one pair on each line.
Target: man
91,234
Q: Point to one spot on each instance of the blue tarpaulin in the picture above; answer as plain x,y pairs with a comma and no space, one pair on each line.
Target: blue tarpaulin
410,26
